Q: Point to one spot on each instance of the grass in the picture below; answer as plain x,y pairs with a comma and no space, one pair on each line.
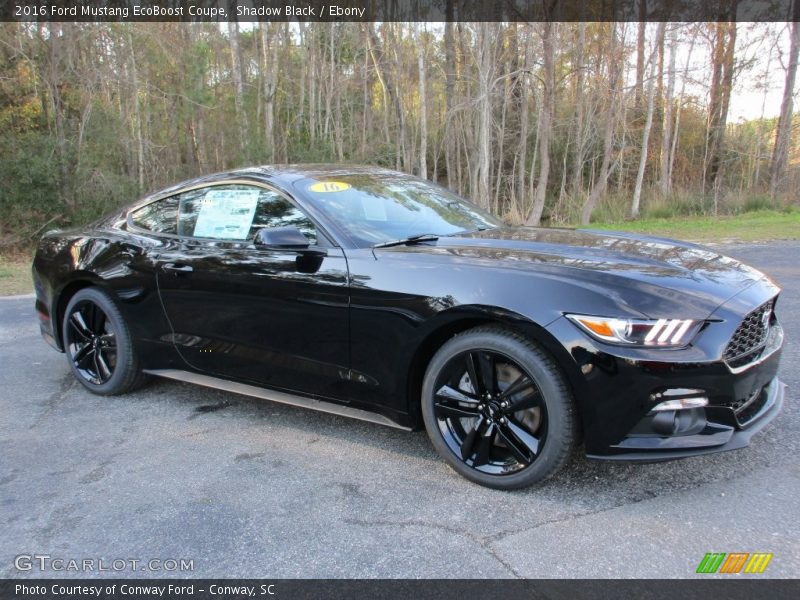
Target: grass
760,225
15,275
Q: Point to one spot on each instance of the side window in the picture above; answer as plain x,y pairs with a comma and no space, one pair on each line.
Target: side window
223,212
160,216
237,212
274,210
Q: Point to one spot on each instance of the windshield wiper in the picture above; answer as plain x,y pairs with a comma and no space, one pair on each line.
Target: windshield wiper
414,239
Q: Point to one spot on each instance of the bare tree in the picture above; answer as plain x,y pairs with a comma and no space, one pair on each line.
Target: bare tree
783,134
546,125
486,43
423,107
666,133
270,87
722,58
238,83
613,91
651,88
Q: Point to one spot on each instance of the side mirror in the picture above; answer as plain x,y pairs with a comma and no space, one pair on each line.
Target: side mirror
286,238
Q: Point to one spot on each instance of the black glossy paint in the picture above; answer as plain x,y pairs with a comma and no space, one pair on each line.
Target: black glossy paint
357,326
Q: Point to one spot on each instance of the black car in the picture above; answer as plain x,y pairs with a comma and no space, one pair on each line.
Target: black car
373,294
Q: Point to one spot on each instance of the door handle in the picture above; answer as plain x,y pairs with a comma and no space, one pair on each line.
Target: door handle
177,268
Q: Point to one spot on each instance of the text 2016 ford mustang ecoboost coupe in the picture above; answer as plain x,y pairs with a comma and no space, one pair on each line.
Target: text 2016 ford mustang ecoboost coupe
373,294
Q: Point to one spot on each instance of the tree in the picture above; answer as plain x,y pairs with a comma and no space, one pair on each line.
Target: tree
614,61
780,153
637,190
724,43
546,124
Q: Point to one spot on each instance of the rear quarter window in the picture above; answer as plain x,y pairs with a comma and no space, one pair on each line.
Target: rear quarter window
159,217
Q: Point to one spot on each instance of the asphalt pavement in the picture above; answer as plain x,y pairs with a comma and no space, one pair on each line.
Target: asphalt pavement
245,487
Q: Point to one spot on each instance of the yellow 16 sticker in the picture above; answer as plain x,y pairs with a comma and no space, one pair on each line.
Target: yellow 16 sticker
329,186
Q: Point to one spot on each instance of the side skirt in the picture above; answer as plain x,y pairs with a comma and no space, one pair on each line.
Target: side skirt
275,396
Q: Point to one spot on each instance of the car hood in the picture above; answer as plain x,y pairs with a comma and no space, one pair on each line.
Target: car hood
653,276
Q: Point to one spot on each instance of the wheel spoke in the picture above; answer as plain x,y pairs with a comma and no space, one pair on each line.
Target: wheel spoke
103,372
520,383
447,392
482,372
529,400
472,370
527,439
79,326
517,448
84,350
97,319
458,412
483,454
488,373
469,441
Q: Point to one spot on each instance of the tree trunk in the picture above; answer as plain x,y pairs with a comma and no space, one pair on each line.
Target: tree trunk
423,108
548,109
783,136
449,93
486,33
524,125
270,87
580,136
721,85
666,132
676,128
238,84
640,67
637,190
137,114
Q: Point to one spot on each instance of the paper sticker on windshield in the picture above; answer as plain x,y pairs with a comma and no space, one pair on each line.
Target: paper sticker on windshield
329,186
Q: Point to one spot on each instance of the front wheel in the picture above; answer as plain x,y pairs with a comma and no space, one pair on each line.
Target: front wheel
497,408
98,344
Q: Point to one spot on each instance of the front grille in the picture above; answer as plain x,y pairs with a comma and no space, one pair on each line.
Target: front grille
750,337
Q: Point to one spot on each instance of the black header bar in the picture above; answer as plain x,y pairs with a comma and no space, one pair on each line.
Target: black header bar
397,10
282,589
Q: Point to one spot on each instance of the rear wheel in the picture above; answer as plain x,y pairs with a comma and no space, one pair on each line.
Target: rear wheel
497,408
98,344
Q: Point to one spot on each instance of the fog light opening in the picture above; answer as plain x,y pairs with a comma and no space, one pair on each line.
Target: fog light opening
679,399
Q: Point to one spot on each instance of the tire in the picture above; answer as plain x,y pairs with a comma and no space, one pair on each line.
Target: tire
516,427
98,344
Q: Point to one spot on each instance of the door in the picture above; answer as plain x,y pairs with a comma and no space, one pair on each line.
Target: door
276,317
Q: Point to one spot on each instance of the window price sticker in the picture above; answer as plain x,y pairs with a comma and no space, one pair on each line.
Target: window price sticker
226,214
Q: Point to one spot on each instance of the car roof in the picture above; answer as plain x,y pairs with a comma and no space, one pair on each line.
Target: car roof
280,175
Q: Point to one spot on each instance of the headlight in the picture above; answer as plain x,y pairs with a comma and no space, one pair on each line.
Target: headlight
641,332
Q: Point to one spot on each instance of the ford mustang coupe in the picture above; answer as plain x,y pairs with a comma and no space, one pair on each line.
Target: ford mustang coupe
376,295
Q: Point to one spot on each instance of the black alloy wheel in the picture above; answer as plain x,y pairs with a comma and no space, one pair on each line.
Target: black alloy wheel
98,344
91,342
497,409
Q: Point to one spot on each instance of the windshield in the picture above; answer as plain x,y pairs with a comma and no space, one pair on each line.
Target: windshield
383,207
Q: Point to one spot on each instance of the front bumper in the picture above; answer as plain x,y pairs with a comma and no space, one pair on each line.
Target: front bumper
617,391
712,438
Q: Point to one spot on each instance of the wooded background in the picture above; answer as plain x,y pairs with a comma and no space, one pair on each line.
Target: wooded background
541,123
